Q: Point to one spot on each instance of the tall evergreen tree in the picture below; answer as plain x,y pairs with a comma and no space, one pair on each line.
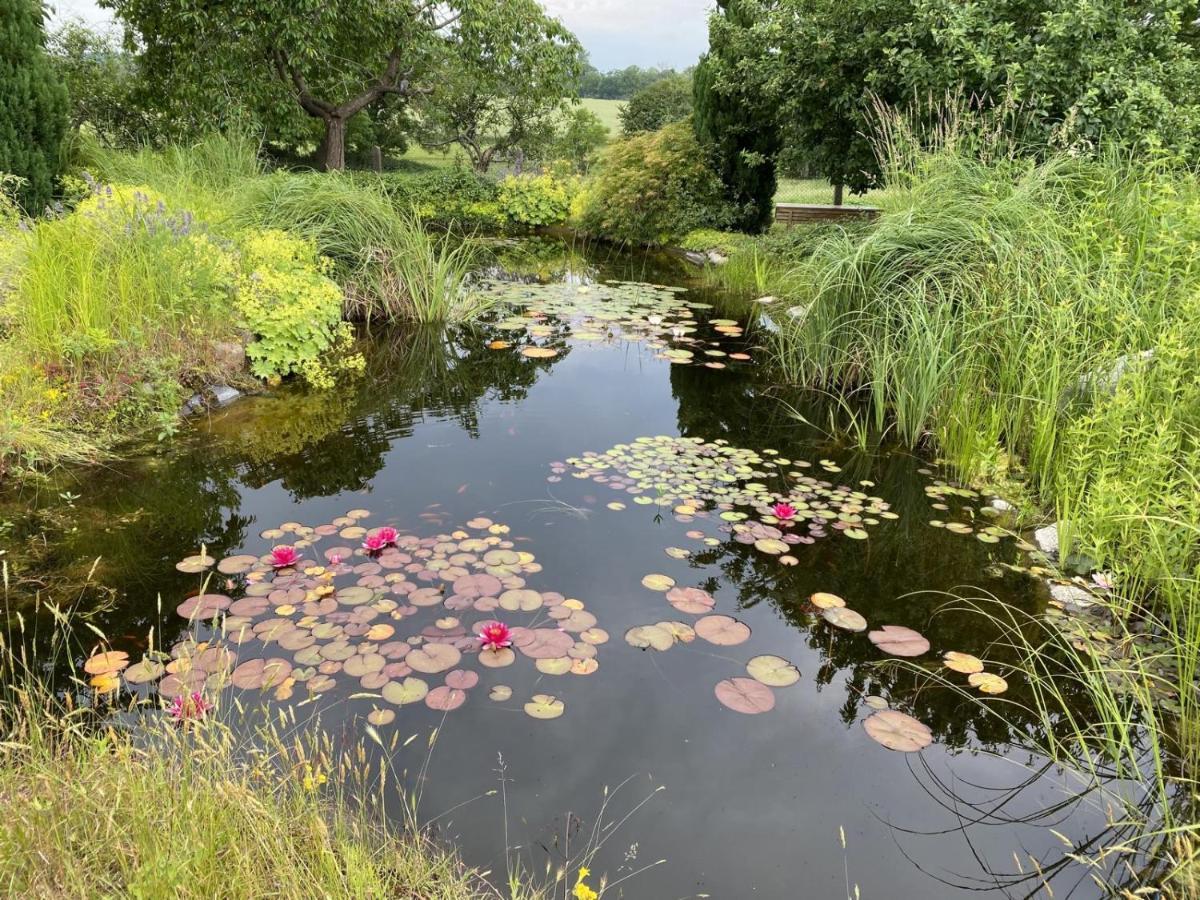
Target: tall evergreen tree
733,115
33,104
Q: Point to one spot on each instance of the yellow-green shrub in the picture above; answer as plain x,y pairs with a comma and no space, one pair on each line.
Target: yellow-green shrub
288,300
536,201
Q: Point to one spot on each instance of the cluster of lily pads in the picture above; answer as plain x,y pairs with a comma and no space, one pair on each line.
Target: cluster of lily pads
647,313
352,612
754,694
939,492
707,480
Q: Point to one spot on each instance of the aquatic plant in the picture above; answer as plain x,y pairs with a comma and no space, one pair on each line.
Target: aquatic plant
284,556
189,708
495,636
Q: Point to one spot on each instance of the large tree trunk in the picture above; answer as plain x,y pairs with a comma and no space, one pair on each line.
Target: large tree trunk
333,146
837,194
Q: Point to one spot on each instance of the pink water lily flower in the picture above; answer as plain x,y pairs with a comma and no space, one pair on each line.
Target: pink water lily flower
187,707
374,543
388,535
784,512
495,636
336,559
284,556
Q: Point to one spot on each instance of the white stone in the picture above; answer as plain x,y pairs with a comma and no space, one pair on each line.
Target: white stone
1047,539
1071,597
1002,505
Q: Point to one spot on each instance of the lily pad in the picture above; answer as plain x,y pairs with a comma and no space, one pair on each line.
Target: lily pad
430,659
144,672
987,682
545,706
193,565
410,690
898,731
658,582
773,671
500,693
381,717
725,631
693,601
845,618
445,698
106,663
824,600
897,640
745,695
964,663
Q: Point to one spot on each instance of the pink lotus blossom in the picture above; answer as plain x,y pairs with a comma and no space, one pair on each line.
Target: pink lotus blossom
336,559
374,543
785,512
388,535
495,636
284,556
188,707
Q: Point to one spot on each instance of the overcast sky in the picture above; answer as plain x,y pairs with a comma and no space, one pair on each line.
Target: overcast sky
617,33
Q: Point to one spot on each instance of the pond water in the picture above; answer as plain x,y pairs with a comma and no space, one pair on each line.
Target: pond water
453,432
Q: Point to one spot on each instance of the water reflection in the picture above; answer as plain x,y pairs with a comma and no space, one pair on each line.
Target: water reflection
440,428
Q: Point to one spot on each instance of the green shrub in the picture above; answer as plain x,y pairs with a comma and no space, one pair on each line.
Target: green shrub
452,198
704,239
293,308
653,189
661,103
536,201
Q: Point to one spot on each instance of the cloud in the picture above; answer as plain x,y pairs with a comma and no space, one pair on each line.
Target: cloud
617,33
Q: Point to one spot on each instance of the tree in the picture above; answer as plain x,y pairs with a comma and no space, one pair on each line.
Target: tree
503,91
33,104
579,136
1087,72
217,61
735,116
665,101
101,82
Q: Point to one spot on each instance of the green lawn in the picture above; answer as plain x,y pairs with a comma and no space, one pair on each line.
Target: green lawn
609,113
818,190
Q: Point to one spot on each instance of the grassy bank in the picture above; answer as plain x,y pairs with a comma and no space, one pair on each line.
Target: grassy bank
1035,323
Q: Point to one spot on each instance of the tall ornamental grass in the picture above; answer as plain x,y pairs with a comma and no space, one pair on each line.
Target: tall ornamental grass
391,266
1039,318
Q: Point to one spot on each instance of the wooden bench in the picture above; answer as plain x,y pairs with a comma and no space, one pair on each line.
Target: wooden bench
795,213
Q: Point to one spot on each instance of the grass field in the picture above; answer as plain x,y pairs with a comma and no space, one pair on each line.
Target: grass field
608,111
818,190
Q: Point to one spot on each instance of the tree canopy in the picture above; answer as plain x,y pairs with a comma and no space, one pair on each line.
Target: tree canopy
215,62
665,101
503,90
1085,73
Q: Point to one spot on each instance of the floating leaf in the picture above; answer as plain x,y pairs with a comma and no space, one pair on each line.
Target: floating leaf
658,582
988,683
193,565
430,659
724,631
898,731
445,698
693,601
823,600
773,671
964,663
497,659
381,717
557,666
462,680
650,636
845,618
257,674
500,693
897,640
745,695
203,606
106,663
410,690
539,352
875,702
144,672
545,706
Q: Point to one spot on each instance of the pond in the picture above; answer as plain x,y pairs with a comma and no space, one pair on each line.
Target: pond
626,479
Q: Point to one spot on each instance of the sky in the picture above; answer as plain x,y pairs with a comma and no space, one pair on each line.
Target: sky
617,33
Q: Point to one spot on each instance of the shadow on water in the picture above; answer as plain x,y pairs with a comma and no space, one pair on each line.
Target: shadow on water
441,429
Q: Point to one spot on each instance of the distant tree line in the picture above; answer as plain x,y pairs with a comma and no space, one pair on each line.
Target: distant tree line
620,84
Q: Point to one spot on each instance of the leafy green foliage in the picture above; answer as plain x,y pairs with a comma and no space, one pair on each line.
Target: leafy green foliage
666,100
535,201
33,104
502,94
734,118
1084,74
293,308
102,83
579,136
653,188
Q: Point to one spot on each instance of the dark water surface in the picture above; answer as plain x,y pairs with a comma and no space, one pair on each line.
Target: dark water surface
753,806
